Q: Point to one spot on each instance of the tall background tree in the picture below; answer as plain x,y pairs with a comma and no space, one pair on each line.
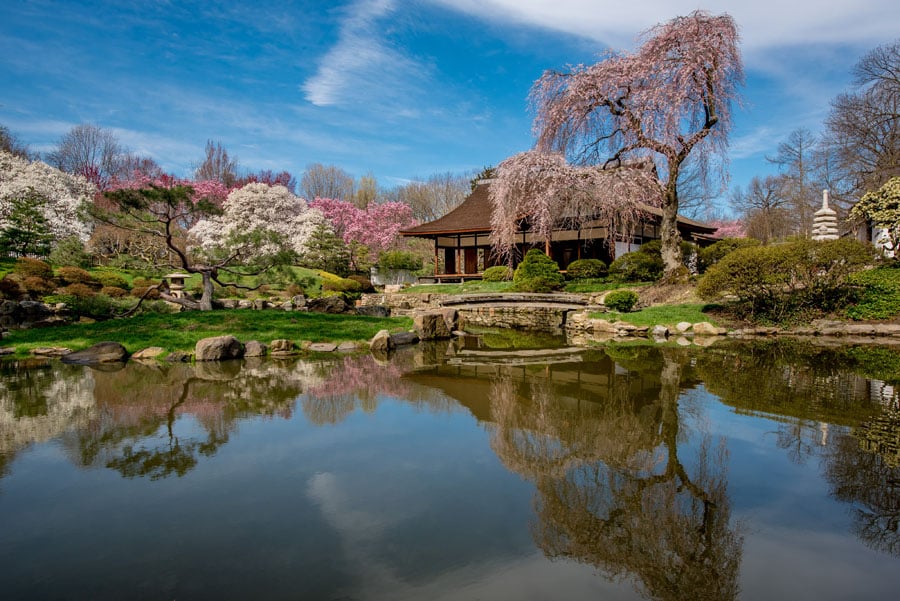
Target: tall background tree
670,100
765,209
10,143
795,158
217,165
863,128
91,151
433,196
327,181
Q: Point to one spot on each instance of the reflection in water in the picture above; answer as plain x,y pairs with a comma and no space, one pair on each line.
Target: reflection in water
626,476
40,400
828,411
612,490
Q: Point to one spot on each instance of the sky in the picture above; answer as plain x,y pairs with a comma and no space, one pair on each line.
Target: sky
399,88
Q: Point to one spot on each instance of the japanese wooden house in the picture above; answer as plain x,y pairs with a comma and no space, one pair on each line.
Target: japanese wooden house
462,246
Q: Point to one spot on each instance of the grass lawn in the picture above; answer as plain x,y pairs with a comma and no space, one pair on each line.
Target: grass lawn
471,287
479,286
667,315
181,331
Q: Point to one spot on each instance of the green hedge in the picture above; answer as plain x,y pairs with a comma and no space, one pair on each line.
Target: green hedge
777,281
537,273
586,268
621,300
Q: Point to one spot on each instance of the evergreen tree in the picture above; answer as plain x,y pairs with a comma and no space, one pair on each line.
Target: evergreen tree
24,230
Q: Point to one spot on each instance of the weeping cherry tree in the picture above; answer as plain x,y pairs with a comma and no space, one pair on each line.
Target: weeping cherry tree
668,101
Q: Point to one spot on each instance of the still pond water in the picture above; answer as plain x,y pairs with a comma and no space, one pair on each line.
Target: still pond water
738,472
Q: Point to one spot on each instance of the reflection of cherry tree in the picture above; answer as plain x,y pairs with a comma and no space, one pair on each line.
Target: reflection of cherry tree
353,382
612,490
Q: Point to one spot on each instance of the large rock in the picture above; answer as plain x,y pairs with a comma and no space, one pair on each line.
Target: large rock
683,326
322,347
255,348
374,310
102,352
659,331
704,328
151,352
281,345
431,325
382,343
327,304
403,338
218,348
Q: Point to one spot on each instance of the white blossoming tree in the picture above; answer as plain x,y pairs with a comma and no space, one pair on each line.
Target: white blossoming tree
63,196
280,217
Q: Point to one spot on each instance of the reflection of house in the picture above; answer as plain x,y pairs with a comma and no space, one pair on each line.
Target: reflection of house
462,245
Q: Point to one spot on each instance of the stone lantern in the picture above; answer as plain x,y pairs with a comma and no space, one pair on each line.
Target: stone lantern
825,225
176,284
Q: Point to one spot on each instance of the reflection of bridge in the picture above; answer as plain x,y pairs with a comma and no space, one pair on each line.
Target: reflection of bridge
543,312
516,357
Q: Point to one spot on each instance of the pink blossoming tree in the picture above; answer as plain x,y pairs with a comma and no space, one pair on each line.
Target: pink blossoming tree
368,231
729,229
669,100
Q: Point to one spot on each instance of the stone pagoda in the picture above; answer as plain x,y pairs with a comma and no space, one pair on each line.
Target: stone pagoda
825,224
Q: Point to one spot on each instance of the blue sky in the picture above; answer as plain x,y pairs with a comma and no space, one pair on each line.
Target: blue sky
401,88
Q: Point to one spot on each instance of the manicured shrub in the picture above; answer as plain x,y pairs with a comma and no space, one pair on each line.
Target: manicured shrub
114,291
70,251
108,278
709,256
537,284
26,266
140,287
497,273
399,259
586,268
643,265
364,283
776,281
10,289
538,265
338,284
78,291
877,293
96,306
76,275
37,286
621,300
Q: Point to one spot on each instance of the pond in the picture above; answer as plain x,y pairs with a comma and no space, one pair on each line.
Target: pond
743,471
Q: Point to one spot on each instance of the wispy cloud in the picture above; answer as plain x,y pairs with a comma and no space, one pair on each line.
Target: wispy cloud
362,66
765,24
752,143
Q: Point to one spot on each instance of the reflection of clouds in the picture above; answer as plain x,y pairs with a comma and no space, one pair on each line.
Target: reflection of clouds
363,530
360,530
69,405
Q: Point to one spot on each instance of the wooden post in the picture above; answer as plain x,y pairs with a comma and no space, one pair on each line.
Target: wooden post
436,256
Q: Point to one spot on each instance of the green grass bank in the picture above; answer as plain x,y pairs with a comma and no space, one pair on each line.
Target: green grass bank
181,331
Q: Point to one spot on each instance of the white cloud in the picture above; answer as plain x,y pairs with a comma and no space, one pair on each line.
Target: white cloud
753,143
765,24
361,66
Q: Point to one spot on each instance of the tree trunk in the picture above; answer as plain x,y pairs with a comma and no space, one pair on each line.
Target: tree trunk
673,268
207,296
